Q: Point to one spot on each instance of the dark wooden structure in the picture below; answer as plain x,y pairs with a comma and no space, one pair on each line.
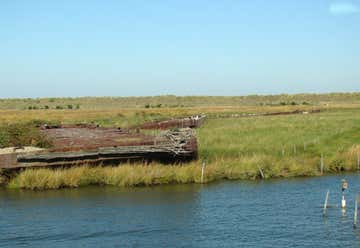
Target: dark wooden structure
169,146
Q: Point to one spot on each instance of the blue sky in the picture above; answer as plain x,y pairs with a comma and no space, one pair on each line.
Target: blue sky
202,47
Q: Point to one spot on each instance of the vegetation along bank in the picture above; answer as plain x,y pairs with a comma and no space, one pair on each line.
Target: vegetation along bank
231,148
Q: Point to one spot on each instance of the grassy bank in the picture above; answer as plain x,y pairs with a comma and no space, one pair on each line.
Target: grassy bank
281,137
129,175
233,148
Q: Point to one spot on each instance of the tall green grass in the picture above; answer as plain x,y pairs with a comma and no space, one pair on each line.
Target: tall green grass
281,137
124,175
128,175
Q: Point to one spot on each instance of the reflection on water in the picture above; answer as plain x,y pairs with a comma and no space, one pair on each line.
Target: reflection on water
272,213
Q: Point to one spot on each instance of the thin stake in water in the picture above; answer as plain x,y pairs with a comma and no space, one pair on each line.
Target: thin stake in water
355,212
326,202
261,172
358,161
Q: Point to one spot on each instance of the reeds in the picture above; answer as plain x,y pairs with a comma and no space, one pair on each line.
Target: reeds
125,175
128,175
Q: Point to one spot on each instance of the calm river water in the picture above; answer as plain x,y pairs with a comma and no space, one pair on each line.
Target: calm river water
273,213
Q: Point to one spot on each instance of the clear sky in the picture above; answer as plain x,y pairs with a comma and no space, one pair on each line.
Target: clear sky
195,47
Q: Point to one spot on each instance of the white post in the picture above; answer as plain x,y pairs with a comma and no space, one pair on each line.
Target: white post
326,202
355,212
202,172
261,173
322,164
343,201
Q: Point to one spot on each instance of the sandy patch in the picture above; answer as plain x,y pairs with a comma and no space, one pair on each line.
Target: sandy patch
25,149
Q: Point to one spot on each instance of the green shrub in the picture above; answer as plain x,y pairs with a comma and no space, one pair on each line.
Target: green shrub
23,134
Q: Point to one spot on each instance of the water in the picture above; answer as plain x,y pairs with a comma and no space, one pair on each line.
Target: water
274,213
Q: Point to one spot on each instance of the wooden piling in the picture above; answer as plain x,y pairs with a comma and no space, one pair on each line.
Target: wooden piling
202,172
343,202
322,164
358,161
261,172
355,212
326,202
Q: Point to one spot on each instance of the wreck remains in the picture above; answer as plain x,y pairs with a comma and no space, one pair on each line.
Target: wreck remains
190,122
90,144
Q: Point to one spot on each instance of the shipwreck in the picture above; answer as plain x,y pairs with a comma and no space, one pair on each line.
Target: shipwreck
91,144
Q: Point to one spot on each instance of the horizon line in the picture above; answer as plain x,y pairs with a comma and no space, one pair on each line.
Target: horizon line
174,95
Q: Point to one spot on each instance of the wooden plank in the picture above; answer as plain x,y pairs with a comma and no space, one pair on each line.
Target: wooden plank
101,155
8,160
70,163
101,152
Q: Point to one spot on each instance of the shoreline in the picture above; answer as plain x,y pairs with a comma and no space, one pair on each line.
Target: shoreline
139,175
282,146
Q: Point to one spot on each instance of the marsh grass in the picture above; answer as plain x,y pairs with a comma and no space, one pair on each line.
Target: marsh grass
125,175
127,117
129,175
233,148
281,137
171,101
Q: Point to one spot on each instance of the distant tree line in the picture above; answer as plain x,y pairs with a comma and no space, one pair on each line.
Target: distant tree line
283,103
159,105
68,106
